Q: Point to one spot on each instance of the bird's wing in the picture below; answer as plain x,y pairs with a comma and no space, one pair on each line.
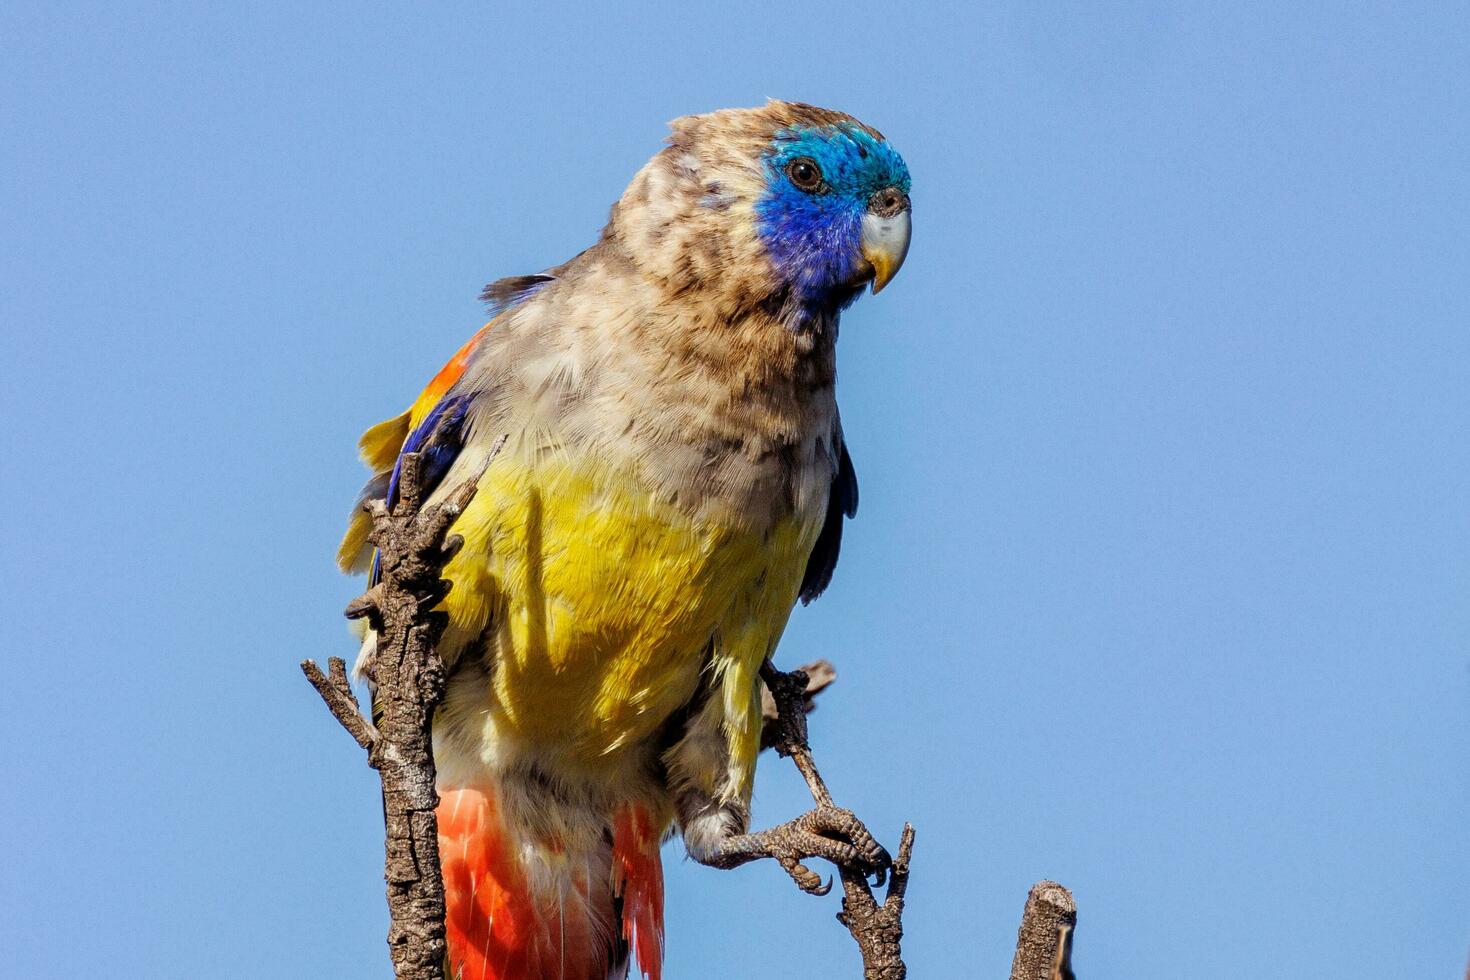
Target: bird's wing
433,425
502,294
842,503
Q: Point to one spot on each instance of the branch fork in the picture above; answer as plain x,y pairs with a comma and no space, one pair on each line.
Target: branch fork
413,543
877,927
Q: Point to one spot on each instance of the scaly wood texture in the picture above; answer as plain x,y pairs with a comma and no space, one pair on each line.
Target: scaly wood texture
413,544
1044,941
876,927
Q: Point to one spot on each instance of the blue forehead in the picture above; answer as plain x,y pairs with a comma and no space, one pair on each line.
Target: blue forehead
853,160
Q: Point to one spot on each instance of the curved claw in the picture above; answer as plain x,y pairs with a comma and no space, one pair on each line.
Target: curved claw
806,879
362,606
871,857
435,595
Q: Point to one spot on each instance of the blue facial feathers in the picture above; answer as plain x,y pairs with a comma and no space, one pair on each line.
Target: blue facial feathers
854,162
814,235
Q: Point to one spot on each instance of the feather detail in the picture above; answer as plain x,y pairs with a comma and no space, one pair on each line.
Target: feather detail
381,446
842,502
447,377
355,554
438,439
522,908
503,294
638,878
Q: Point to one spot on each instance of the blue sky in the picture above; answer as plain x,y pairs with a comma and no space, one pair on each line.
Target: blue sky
1161,582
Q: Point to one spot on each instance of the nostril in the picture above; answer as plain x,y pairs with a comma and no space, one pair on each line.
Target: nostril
888,202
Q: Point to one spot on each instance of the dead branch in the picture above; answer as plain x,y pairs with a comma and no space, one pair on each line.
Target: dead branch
876,927
413,545
1044,941
819,676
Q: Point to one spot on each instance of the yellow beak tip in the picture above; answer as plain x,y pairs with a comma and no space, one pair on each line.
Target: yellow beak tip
881,278
885,245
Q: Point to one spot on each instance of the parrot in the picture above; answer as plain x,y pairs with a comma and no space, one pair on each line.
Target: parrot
661,477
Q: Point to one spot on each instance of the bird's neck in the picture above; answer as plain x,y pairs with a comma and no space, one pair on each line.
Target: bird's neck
739,328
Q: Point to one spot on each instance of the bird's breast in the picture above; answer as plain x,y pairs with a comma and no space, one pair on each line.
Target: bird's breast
648,506
595,600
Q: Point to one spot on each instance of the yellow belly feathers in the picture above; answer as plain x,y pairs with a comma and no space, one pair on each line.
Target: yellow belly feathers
597,603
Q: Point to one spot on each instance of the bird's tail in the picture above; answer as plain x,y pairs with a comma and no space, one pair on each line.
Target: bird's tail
521,908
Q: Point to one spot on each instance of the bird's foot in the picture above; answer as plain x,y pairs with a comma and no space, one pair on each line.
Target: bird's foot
828,832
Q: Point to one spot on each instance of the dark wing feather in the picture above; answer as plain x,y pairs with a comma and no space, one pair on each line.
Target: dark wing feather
841,503
502,294
438,440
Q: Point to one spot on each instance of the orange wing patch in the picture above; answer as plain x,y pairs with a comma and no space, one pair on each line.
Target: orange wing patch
443,381
379,448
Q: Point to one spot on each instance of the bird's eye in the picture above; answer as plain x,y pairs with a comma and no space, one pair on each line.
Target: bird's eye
805,174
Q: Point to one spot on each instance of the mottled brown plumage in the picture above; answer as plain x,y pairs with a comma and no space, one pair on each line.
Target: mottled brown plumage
673,459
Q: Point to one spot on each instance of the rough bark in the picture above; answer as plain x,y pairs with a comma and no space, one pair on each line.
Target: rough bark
819,676
1044,941
408,677
876,927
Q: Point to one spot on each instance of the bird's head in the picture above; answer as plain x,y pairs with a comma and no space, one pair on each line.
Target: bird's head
788,205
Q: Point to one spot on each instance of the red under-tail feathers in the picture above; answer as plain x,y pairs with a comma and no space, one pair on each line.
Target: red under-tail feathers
638,877
510,920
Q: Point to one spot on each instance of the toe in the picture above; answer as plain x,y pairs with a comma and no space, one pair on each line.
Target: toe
844,824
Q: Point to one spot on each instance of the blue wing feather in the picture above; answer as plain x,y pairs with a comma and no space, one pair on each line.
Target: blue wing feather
438,441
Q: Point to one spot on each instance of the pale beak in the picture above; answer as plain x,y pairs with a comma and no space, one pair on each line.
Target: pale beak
886,242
